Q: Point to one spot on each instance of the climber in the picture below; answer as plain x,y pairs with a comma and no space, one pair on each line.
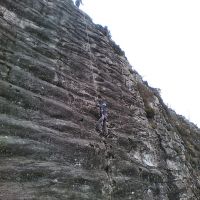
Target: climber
78,2
101,123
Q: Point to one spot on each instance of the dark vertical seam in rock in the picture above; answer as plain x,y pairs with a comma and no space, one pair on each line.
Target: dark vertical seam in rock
174,126
169,181
108,169
194,192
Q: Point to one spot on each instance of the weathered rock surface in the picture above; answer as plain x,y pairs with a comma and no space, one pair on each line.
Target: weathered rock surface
50,78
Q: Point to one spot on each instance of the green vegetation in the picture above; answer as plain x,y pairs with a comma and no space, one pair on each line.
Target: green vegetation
150,113
148,97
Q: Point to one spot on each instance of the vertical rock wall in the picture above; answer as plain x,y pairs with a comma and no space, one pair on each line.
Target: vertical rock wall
54,62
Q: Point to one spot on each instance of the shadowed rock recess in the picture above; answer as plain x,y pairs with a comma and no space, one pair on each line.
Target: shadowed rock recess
54,62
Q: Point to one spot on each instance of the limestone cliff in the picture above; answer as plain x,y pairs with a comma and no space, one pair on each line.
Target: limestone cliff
54,62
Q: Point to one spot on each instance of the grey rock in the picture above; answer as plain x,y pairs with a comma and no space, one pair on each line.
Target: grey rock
54,62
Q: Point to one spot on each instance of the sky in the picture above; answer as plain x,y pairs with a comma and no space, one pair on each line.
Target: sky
161,39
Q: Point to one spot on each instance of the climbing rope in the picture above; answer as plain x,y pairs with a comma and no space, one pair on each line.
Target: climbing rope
88,48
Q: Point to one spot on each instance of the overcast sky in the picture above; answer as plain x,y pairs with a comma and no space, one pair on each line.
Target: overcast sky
161,39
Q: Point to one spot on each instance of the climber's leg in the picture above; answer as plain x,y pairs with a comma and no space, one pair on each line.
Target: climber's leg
99,125
105,130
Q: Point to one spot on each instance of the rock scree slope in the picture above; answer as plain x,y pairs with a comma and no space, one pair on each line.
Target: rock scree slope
54,62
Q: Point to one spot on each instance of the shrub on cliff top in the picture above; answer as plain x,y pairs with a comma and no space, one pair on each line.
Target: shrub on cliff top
147,96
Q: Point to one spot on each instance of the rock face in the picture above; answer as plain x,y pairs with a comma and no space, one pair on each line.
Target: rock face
54,63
